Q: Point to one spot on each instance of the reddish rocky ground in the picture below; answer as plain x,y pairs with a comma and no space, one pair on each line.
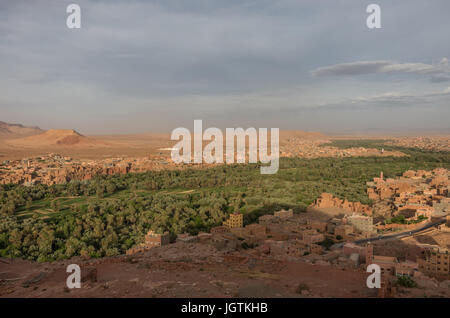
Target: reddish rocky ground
196,270
183,270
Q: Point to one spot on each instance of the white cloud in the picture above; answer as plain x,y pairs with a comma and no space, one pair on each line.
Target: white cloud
389,100
438,71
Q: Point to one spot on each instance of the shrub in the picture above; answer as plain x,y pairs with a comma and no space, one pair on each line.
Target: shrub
406,281
327,243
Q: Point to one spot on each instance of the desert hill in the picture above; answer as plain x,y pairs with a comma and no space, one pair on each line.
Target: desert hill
73,144
55,137
9,131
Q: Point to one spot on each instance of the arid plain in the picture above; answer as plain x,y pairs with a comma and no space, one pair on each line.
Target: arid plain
18,142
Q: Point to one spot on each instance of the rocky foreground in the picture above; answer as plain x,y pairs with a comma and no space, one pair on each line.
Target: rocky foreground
190,270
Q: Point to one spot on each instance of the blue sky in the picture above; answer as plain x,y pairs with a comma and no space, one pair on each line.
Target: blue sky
152,66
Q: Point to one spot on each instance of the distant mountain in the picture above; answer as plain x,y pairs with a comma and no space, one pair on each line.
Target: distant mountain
8,131
55,137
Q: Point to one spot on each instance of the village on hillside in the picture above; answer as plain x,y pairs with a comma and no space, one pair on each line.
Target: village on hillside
343,234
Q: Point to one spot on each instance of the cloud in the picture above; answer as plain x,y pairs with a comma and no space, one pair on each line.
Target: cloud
440,78
152,64
388,100
355,68
438,71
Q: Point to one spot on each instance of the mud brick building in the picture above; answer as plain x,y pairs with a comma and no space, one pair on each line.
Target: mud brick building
266,219
204,237
362,223
390,266
435,261
343,230
152,239
219,229
418,210
317,225
187,238
256,230
284,214
406,268
285,249
312,236
225,241
387,290
326,201
351,248
235,220
239,231
386,263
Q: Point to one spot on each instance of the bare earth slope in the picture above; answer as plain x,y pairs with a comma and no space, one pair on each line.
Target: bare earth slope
55,137
182,270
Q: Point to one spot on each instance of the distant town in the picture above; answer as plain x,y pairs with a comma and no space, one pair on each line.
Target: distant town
56,169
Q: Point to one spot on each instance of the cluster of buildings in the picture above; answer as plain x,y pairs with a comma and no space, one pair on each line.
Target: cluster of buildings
389,265
281,235
328,201
316,148
352,220
434,143
56,169
416,195
429,260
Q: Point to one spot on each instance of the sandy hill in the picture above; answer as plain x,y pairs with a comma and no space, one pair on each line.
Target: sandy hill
55,137
8,131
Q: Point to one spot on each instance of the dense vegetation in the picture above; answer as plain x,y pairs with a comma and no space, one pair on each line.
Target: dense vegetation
107,215
401,219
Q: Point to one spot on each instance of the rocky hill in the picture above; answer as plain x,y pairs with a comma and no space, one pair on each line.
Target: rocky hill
55,137
9,131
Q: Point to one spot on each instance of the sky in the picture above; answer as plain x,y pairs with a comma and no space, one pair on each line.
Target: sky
152,66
